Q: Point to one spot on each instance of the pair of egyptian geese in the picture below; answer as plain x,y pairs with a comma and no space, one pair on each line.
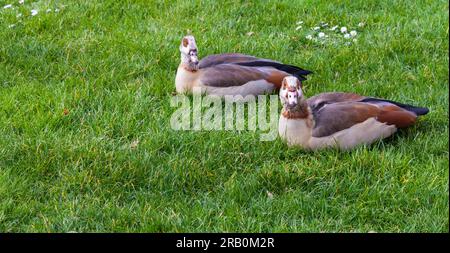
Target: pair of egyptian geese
327,120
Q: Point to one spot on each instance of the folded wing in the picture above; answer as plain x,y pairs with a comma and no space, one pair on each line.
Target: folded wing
334,112
226,75
225,70
216,59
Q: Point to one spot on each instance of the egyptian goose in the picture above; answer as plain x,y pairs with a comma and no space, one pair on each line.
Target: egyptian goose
230,74
339,120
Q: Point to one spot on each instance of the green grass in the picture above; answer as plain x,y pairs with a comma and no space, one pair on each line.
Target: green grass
112,64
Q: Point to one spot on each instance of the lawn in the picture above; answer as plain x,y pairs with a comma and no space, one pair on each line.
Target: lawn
86,143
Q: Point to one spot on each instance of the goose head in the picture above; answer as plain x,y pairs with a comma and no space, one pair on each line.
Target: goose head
188,50
291,93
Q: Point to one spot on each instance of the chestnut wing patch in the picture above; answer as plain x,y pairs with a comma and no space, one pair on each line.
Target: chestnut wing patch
290,69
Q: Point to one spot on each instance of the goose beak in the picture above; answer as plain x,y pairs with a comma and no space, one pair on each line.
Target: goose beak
292,104
292,98
194,60
195,63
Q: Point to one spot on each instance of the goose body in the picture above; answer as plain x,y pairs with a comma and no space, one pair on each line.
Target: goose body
230,74
339,120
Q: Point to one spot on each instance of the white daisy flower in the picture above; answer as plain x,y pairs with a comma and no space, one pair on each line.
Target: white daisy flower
7,6
361,24
343,29
134,144
21,1
353,33
298,28
321,35
34,12
347,36
309,37
316,28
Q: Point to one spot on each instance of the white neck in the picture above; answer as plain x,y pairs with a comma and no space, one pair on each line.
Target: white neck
296,130
185,79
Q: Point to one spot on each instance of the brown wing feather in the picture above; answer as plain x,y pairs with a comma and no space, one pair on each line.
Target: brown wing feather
394,115
334,117
216,59
226,75
276,77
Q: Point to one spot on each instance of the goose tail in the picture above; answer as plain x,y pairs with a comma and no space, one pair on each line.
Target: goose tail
415,109
291,69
